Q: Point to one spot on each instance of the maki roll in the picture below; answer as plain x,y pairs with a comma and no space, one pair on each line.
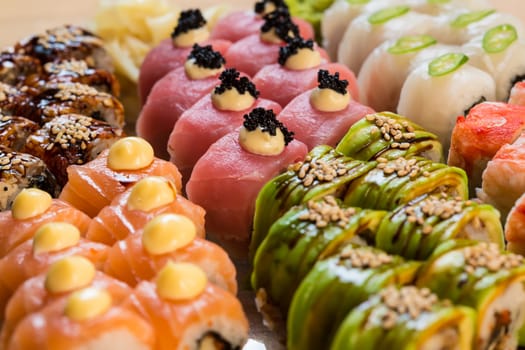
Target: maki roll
322,115
173,52
14,131
324,171
389,135
517,94
228,177
302,236
18,102
482,276
515,227
189,312
213,116
450,78
167,101
335,286
406,318
93,185
15,68
416,229
395,182
129,211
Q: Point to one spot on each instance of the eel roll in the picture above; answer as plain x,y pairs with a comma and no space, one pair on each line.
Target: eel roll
324,171
337,285
389,135
482,276
301,237
406,318
414,230
395,182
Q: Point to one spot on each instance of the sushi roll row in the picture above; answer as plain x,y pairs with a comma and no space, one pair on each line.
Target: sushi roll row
134,270
58,106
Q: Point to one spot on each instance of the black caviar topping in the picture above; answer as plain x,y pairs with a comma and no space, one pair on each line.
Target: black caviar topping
280,21
260,6
188,20
328,81
205,57
292,47
267,121
230,79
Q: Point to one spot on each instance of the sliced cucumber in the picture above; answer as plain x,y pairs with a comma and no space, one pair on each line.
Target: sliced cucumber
446,63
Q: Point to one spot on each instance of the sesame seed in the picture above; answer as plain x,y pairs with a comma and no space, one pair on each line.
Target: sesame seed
79,67
319,170
401,132
326,211
71,91
364,258
401,167
489,256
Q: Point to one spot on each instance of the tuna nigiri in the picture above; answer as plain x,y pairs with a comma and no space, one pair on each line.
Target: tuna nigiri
212,117
168,237
227,178
171,53
324,114
93,185
167,101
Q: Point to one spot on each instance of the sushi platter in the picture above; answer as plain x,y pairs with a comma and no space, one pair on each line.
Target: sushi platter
262,175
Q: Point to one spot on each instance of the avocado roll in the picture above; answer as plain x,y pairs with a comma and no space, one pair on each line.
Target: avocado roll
303,235
406,318
324,171
414,230
482,276
395,182
390,136
337,285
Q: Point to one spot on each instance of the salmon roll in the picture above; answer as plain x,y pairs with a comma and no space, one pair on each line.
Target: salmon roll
130,211
173,52
87,318
93,185
51,242
323,115
168,237
227,178
189,312
475,140
167,101
31,209
62,278
14,131
212,117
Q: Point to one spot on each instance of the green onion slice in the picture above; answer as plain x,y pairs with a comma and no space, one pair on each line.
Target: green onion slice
411,43
499,38
387,14
466,19
446,63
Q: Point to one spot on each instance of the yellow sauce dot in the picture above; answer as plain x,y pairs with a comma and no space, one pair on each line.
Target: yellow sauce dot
30,202
181,281
232,100
271,37
196,72
259,142
328,100
303,59
130,153
191,37
167,233
69,274
87,303
55,236
151,193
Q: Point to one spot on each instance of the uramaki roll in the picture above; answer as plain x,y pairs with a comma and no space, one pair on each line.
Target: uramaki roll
299,238
337,285
406,318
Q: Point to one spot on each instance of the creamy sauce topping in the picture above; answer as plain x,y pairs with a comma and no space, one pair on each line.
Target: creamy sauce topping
232,100
130,153
328,100
69,274
271,37
87,303
167,233
150,193
260,142
30,202
55,236
191,37
303,59
181,281
196,72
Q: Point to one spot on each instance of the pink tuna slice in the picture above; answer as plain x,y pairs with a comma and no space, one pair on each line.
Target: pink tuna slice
239,24
200,126
164,58
314,127
282,85
169,98
227,179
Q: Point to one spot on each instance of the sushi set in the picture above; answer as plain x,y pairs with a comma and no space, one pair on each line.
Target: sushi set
298,175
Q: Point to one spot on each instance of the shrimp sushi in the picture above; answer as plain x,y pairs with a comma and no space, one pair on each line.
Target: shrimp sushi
168,237
172,52
131,210
93,185
186,310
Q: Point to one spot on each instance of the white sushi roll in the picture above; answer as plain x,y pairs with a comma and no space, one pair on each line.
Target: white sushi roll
436,93
368,31
387,67
500,53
